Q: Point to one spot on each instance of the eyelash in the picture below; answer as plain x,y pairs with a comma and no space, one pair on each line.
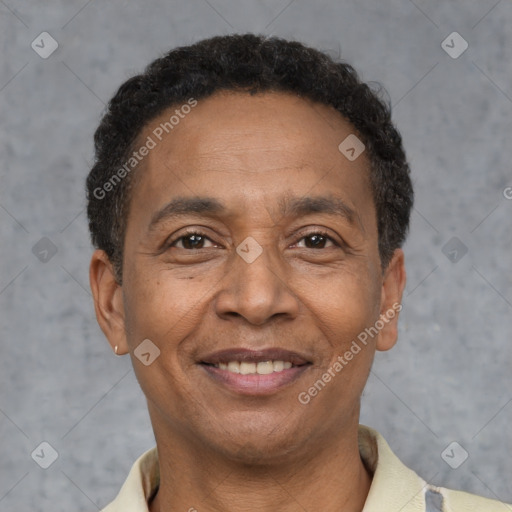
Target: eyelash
302,235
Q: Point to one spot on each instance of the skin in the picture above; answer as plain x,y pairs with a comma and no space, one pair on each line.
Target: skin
239,452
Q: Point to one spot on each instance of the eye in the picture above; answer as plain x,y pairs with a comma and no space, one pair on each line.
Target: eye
197,240
317,240
190,241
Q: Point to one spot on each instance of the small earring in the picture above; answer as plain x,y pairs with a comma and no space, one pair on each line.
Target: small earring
115,350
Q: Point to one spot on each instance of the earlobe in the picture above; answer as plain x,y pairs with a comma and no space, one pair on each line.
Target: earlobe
108,301
393,285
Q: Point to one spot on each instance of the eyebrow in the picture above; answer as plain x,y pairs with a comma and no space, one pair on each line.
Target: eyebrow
181,206
297,206
331,205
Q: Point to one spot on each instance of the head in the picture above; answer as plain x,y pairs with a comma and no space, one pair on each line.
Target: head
225,215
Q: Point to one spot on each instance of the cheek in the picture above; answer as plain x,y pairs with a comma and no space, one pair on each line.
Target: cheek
166,308
154,306
346,308
344,304
164,312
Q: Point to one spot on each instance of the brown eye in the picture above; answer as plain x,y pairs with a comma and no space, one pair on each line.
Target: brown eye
190,241
317,241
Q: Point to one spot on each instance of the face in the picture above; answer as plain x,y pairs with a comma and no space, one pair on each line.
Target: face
251,264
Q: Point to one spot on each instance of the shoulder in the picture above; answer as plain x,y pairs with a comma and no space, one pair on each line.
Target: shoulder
458,501
141,483
397,487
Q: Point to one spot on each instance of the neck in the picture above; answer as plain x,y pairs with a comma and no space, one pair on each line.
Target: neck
329,478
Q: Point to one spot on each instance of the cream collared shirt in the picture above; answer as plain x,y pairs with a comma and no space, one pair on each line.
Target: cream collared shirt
394,488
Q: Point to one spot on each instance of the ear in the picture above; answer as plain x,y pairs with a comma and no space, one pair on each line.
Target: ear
108,301
393,285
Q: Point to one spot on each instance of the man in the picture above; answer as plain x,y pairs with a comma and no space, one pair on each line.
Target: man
248,203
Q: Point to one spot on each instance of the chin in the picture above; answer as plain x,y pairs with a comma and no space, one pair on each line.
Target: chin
259,446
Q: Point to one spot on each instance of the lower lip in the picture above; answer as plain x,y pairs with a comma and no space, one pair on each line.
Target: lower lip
255,384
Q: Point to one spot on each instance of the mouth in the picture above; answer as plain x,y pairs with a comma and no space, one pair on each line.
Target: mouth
255,372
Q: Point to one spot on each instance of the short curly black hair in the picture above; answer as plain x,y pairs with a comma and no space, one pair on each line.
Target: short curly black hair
249,63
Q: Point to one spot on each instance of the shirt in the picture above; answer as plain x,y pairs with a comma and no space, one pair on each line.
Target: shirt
394,488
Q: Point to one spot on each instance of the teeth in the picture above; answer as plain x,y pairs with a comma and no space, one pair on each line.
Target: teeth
233,367
261,368
278,366
265,367
247,368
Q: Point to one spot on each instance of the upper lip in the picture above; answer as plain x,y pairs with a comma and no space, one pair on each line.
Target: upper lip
254,356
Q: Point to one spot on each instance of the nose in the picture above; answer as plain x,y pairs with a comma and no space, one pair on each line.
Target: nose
257,290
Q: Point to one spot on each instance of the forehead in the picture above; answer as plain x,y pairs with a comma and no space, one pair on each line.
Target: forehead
233,124
239,145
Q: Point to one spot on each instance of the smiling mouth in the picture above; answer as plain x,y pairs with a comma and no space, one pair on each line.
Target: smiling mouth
255,372
255,368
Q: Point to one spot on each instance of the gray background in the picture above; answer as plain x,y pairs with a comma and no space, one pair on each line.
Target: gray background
449,377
